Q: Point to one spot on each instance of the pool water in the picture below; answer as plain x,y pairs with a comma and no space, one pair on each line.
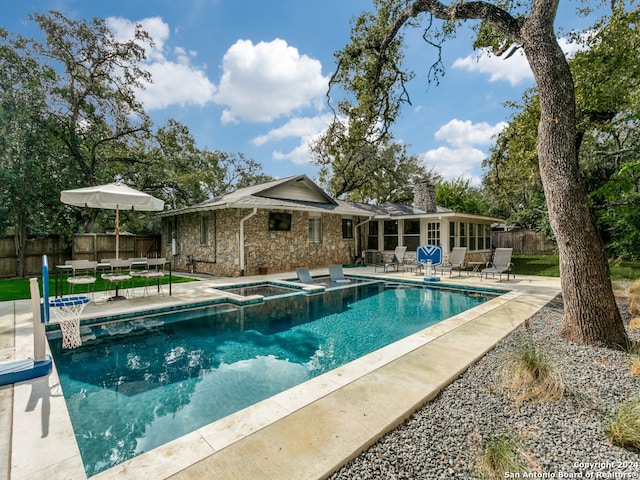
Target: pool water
139,384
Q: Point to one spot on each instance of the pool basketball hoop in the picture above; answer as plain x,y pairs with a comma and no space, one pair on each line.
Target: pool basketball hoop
66,309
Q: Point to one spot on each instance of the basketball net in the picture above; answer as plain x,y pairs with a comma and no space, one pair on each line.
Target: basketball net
68,315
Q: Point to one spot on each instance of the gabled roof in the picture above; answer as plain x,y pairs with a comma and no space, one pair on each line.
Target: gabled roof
299,192
291,193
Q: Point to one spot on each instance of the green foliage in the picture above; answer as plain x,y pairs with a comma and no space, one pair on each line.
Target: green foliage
364,173
606,78
69,118
530,373
459,196
623,429
501,454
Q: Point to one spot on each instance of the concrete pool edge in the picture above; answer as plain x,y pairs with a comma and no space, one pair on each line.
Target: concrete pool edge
321,434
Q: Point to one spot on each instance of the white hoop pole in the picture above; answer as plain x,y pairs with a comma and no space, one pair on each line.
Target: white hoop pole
39,342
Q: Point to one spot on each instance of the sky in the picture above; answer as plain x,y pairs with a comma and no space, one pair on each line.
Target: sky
251,77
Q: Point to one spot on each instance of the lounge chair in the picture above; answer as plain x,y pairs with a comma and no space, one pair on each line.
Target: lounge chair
396,261
456,262
305,277
501,263
337,275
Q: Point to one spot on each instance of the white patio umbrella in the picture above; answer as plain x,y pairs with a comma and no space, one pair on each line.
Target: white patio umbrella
113,196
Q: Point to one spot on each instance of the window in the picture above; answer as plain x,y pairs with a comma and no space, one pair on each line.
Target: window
463,234
411,234
452,235
280,221
390,239
472,236
204,228
347,228
433,233
487,237
315,229
372,236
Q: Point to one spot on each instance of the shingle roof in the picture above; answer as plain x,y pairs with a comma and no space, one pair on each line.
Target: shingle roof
262,196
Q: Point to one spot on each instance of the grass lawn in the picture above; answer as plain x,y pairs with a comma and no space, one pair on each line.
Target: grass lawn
549,266
18,288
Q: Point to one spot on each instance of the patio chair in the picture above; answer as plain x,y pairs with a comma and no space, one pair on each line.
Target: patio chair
83,272
155,271
456,261
337,275
396,261
501,264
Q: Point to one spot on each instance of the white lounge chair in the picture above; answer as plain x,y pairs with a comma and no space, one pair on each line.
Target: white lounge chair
396,261
501,264
337,275
305,277
456,262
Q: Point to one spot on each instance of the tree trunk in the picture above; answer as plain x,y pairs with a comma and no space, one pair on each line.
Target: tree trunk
20,240
591,316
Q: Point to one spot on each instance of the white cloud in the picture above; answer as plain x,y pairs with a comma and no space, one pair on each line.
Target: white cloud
157,29
514,69
460,133
174,82
453,163
464,159
265,81
296,127
307,129
299,155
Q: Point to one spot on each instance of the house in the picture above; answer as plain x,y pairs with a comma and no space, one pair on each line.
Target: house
291,222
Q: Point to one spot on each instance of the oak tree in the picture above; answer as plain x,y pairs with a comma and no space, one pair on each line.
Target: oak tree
371,69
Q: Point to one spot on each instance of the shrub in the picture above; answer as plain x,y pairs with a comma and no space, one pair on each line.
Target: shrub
634,288
634,323
500,455
624,429
531,374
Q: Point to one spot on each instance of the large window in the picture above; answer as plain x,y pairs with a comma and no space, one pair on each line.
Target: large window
390,240
315,229
411,234
373,235
474,236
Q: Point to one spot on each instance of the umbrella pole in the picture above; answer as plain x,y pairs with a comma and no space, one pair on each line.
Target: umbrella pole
117,234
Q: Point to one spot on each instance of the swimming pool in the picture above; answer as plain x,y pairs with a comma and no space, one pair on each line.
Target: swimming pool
146,381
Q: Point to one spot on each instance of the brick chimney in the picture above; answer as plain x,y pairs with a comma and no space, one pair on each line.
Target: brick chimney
424,196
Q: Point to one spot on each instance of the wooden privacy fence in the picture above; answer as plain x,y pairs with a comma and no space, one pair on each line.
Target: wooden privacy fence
53,247
96,246
524,242
90,246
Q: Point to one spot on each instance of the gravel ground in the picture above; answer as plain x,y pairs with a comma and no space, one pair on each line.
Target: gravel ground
558,439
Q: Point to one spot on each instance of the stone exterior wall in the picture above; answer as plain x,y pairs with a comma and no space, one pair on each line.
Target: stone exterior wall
265,250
